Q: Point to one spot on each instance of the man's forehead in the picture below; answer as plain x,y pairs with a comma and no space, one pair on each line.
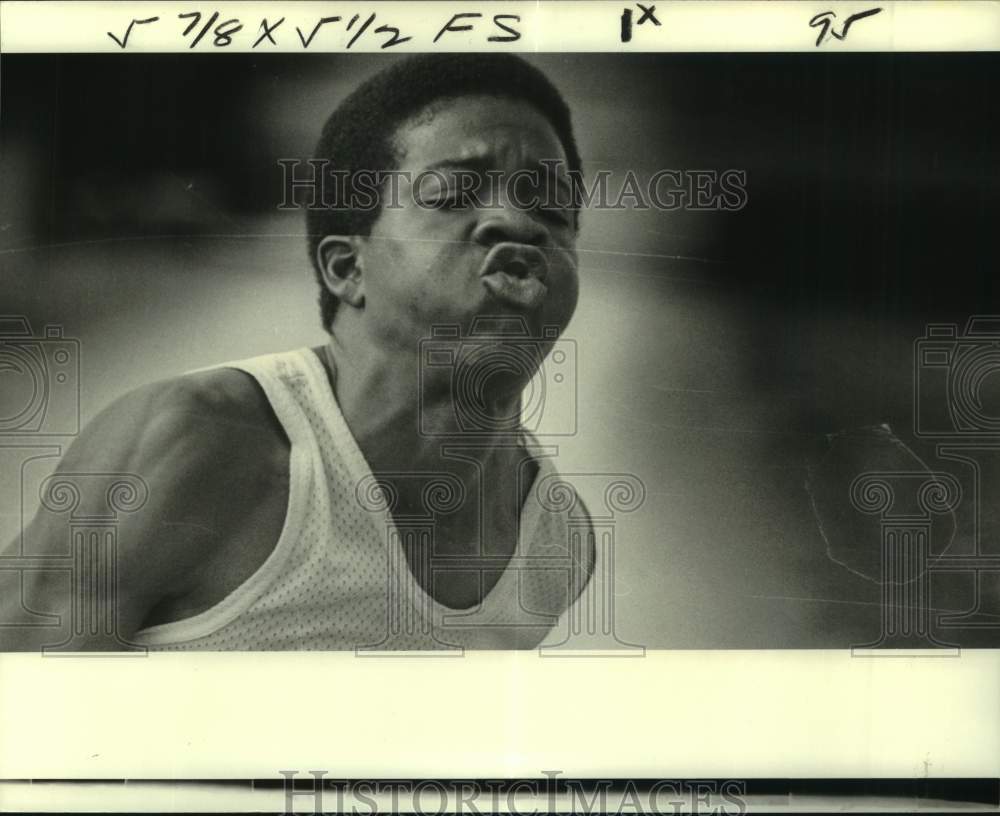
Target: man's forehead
481,130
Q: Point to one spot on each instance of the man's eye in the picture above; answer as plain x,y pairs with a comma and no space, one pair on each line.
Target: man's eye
453,202
556,215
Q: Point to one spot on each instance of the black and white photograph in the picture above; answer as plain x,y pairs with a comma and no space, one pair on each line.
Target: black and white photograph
423,354
732,369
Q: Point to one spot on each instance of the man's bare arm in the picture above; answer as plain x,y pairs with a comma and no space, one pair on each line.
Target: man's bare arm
206,449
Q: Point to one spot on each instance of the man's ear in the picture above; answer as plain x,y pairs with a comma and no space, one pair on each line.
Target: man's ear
340,264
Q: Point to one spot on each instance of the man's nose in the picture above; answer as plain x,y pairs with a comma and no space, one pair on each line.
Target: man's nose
508,222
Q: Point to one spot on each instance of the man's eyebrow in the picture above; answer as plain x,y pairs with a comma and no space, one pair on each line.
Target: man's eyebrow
482,164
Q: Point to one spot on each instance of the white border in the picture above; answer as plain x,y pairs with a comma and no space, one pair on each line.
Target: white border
672,714
722,714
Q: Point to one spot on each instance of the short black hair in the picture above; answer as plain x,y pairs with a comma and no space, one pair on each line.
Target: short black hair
359,133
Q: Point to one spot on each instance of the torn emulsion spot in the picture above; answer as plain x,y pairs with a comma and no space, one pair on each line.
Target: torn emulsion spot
853,538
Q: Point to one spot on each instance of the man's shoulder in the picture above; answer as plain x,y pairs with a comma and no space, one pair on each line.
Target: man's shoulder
212,453
198,417
213,461
224,395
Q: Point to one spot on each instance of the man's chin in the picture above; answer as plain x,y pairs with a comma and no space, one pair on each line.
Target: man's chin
538,323
494,318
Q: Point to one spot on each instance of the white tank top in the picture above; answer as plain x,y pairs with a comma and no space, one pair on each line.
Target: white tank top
338,578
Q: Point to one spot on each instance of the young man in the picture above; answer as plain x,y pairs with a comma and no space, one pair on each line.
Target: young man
357,495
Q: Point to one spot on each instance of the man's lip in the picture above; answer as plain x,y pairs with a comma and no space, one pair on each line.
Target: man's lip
523,293
516,261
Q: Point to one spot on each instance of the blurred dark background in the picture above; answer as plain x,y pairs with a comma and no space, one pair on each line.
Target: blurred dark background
717,350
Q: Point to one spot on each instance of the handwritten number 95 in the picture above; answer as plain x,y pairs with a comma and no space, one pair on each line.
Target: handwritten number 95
824,22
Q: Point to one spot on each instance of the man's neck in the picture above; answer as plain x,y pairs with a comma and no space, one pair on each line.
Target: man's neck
402,422
396,425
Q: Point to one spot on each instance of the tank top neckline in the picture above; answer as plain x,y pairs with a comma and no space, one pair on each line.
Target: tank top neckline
361,472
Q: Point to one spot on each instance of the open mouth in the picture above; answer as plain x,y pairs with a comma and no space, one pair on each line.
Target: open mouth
516,274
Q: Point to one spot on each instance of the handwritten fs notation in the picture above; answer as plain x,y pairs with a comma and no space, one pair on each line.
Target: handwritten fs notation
198,28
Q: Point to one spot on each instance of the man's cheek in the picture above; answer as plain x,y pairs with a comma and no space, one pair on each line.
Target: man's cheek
566,279
569,296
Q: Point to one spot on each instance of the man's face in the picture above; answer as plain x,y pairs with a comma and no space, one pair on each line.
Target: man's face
446,265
